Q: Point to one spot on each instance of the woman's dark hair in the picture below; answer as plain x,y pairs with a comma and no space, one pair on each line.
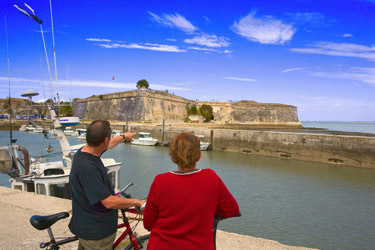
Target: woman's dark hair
97,131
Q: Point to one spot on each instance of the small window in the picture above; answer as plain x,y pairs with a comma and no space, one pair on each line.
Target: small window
53,171
60,190
40,189
112,178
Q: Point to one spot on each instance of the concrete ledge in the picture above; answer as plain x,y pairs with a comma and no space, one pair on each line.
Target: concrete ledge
16,208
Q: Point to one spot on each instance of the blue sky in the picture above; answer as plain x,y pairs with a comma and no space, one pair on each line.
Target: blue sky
316,55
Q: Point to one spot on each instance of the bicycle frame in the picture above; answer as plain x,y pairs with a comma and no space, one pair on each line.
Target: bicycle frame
128,231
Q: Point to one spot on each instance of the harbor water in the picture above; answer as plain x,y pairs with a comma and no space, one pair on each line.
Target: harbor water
361,127
294,202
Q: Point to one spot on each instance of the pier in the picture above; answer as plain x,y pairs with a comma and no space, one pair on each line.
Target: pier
16,208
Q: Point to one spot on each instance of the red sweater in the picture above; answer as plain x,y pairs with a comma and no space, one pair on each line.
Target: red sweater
180,209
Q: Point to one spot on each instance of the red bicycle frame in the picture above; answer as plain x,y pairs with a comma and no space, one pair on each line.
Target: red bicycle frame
128,231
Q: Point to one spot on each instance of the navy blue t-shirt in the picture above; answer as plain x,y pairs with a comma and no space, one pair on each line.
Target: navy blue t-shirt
89,184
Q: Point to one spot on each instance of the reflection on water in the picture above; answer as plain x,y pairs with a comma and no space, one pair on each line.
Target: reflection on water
294,202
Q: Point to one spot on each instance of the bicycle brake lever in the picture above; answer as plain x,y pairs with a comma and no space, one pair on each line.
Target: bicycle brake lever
128,196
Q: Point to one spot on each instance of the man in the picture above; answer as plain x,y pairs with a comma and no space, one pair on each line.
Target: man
95,216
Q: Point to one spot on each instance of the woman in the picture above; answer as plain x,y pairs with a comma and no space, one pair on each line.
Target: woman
181,204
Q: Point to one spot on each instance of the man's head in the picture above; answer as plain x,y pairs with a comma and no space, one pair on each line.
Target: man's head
185,150
97,132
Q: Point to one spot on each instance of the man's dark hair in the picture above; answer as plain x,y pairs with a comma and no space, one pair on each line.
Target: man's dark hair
97,131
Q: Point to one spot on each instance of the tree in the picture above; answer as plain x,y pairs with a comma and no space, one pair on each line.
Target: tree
206,112
142,83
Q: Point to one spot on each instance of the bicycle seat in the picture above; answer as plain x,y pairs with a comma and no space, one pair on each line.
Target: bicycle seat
43,222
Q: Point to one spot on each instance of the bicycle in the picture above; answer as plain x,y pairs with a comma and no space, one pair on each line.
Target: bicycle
45,222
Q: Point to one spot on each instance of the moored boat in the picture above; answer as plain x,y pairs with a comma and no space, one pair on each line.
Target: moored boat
42,177
38,129
81,133
69,131
145,139
30,128
203,145
116,133
23,128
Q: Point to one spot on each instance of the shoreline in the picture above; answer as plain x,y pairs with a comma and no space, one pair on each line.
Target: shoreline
16,208
352,149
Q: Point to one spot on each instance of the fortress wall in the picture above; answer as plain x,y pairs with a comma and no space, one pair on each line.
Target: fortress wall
138,105
253,113
248,113
356,151
146,105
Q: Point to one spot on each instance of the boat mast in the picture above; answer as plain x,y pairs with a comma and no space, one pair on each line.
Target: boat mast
54,57
9,99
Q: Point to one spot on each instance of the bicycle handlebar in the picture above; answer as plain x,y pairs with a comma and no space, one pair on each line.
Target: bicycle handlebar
123,193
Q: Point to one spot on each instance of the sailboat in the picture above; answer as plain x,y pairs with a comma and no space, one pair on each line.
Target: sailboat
47,178
41,177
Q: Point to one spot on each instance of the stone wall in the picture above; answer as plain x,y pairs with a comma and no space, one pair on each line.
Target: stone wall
138,105
356,151
145,105
20,106
254,113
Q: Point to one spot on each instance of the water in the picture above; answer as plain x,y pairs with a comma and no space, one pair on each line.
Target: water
362,127
294,202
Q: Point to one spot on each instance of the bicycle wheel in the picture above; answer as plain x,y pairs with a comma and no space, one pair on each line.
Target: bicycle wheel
142,242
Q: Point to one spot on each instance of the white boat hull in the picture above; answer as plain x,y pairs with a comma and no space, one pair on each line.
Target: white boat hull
144,142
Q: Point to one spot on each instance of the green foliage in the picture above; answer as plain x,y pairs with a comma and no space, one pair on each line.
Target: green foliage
66,110
206,112
187,119
49,101
192,110
5,106
101,97
142,83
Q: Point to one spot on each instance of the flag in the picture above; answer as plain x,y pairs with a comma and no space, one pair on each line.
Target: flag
24,12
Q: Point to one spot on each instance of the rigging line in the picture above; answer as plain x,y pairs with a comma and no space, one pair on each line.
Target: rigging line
49,69
9,100
41,70
67,67
54,55
6,35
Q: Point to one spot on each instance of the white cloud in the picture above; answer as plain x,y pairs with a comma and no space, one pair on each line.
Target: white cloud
87,83
365,75
293,69
240,79
265,30
203,49
118,85
146,46
347,35
339,49
97,40
209,41
175,21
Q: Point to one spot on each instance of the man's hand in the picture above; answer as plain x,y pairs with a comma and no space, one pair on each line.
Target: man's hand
128,136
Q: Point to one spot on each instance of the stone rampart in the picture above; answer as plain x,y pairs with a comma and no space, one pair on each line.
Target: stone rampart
138,105
254,113
145,105
350,150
